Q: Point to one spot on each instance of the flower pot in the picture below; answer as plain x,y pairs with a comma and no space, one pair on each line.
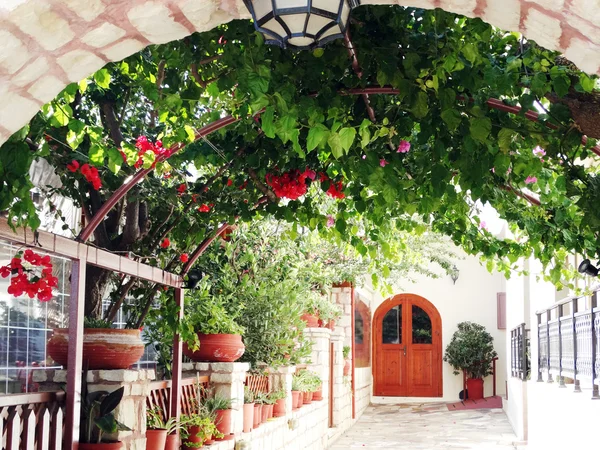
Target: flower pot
331,325
475,388
342,284
257,415
270,411
223,422
248,417
156,439
103,348
307,398
279,408
264,415
102,446
318,395
295,396
217,348
193,440
311,320
172,442
347,367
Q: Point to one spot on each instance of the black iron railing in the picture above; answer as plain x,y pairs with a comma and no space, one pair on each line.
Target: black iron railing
569,343
519,352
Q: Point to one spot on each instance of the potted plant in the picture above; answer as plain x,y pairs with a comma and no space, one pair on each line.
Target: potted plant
262,399
210,332
315,385
311,310
98,419
248,409
103,347
198,429
471,350
160,434
220,407
297,388
257,411
278,398
329,313
347,363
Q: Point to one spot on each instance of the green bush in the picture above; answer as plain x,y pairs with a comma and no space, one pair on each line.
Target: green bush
471,350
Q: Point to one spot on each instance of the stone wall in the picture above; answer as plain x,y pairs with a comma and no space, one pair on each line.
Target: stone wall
46,45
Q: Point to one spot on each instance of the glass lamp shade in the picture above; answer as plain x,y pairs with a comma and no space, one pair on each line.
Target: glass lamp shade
301,24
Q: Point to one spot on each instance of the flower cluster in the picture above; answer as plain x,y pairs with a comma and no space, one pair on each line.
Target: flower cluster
404,146
290,184
144,145
90,173
41,282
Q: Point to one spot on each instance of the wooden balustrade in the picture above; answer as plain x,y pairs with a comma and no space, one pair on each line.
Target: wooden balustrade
258,384
32,421
160,395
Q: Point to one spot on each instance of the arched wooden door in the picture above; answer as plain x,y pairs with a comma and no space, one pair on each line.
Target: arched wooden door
407,354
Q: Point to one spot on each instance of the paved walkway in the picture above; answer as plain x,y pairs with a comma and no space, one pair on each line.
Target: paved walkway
428,427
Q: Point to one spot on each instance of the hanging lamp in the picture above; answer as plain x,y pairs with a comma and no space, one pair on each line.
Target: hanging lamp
301,24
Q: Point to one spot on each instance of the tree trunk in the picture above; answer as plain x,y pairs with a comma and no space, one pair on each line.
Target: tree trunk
96,282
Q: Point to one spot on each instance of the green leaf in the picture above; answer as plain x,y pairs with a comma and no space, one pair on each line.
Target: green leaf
347,136
102,78
452,118
470,52
115,160
420,106
480,128
586,82
335,144
76,133
96,155
191,134
61,114
285,128
505,138
258,85
266,122
316,136
561,85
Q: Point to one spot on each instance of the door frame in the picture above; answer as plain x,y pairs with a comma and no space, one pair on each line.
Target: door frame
436,326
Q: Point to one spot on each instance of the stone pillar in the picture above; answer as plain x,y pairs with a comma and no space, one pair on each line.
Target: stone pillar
282,379
342,295
132,409
342,408
319,359
227,380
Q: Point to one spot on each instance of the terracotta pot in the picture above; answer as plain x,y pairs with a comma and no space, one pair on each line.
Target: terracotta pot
248,417
156,439
279,408
295,396
475,388
223,422
217,348
193,439
103,348
307,398
347,367
270,413
318,395
264,415
172,442
257,415
311,320
102,446
343,284
331,325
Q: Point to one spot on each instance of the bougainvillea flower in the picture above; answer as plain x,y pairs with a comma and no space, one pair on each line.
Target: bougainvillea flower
73,166
404,146
184,258
539,151
330,221
204,208
530,180
335,190
229,182
383,162
165,243
182,188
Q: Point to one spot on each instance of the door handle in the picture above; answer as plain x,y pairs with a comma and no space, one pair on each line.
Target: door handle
404,349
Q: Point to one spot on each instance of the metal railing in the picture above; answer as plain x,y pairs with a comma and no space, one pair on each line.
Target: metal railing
569,343
520,365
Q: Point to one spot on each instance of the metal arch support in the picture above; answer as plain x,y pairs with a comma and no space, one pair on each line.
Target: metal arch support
202,248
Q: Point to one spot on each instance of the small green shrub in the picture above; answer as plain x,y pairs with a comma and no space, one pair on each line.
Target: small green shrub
471,350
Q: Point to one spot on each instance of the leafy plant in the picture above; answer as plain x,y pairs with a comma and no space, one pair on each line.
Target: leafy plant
277,395
298,383
206,428
91,322
471,349
261,398
217,402
97,417
346,351
155,421
248,395
309,381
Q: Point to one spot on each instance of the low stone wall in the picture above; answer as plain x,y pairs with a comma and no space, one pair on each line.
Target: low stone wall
363,385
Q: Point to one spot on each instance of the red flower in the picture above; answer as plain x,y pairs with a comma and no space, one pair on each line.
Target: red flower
73,166
204,208
335,190
91,175
5,271
167,175
229,182
182,188
165,243
184,258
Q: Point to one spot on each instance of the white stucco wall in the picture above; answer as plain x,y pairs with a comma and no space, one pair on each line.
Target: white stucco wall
472,298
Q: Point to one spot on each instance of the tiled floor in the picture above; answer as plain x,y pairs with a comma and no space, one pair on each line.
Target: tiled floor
428,426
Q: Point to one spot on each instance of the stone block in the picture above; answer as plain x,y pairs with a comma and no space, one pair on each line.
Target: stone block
125,376
221,378
46,88
543,28
123,49
79,63
40,21
584,54
154,20
14,118
13,53
101,36
91,10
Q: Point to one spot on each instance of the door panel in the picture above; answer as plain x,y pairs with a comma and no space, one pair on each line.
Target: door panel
407,348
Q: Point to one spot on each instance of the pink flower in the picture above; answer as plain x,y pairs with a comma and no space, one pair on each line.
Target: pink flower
530,180
383,162
539,151
364,156
493,170
404,146
330,221
483,225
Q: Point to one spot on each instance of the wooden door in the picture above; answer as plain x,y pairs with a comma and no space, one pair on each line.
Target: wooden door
407,348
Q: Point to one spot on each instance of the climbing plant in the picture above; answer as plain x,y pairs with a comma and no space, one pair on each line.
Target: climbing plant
430,149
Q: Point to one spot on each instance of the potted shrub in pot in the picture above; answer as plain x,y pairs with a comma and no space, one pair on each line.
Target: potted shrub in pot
329,313
248,409
103,347
220,407
98,420
257,411
197,429
471,350
347,362
157,429
297,389
209,331
278,397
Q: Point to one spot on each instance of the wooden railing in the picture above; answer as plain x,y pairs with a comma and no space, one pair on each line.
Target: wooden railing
191,388
519,352
259,384
32,421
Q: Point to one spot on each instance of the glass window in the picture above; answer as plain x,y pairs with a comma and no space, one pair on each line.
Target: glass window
359,332
392,326
421,326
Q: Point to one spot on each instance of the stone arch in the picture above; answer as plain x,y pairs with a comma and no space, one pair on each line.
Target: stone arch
47,44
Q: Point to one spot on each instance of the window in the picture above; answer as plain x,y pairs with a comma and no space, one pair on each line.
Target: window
359,332
392,326
421,326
